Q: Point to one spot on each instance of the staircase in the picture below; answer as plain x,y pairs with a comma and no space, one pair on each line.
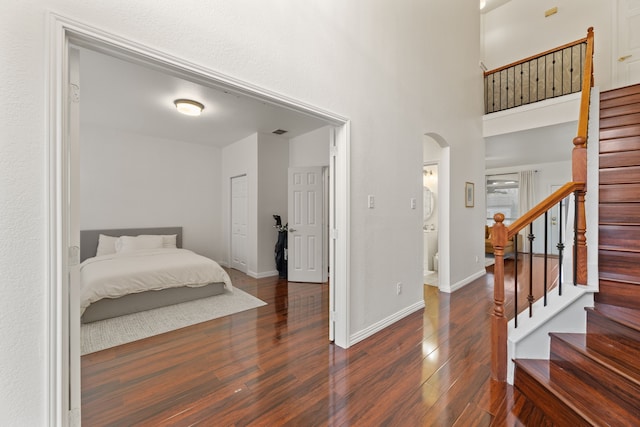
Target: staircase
593,379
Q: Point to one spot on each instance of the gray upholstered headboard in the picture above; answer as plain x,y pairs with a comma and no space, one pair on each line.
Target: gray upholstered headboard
89,238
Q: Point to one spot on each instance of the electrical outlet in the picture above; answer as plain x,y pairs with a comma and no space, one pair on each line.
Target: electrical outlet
412,203
398,288
477,259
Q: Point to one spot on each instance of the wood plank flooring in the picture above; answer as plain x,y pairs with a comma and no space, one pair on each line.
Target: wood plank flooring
273,366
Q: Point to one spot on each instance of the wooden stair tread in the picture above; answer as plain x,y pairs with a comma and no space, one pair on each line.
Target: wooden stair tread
620,132
631,106
616,355
619,249
623,315
620,92
619,159
618,145
581,397
627,282
619,120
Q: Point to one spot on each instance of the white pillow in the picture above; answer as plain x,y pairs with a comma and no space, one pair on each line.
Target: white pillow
106,245
169,241
126,244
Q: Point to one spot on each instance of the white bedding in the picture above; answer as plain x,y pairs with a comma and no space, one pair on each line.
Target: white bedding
116,275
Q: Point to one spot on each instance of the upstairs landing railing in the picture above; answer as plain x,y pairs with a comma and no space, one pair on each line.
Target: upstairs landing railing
549,74
501,233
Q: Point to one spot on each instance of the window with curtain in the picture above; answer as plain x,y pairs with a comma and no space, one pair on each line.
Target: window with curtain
503,195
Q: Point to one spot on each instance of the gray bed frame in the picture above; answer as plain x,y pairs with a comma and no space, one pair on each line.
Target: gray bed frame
107,308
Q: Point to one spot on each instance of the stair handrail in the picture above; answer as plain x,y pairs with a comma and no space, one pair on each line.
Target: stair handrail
501,233
587,84
538,55
537,211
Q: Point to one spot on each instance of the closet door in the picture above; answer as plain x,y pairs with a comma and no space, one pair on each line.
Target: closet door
239,223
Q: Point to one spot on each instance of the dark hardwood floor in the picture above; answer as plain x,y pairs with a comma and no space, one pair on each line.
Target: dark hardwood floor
274,366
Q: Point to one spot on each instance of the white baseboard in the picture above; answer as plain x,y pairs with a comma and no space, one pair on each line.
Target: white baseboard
387,321
263,274
454,287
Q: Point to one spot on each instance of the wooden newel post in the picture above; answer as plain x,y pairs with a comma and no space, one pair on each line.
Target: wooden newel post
579,167
498,319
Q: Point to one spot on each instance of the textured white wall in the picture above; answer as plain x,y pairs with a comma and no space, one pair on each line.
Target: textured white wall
396,69
310,149
519,29
129,180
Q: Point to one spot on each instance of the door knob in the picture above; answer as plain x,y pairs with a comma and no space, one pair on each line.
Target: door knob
292,230
624,58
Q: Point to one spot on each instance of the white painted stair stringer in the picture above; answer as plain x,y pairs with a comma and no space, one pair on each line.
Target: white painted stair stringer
566,313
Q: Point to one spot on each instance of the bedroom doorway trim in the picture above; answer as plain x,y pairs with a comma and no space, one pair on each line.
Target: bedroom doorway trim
63,33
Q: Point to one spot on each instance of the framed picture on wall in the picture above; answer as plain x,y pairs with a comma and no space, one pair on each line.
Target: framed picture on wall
468,194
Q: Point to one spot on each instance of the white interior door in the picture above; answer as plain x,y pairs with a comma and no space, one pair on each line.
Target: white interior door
628,61
305,225
239,223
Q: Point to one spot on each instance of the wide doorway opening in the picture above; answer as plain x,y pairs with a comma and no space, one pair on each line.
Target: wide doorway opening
69,38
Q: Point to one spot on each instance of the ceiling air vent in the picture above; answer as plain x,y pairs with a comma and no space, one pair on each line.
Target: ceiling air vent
280,131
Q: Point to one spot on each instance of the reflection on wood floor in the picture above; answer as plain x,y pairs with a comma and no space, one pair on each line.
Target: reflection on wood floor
524,274
274,366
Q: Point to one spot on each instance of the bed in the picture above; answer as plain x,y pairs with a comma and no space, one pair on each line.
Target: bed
125,271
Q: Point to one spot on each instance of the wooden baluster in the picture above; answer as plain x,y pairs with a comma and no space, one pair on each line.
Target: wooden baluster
579,167
498,319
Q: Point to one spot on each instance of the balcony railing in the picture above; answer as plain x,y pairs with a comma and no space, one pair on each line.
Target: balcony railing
550,74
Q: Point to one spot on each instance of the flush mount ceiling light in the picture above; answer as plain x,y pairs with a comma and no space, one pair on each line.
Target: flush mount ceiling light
188,107
483,3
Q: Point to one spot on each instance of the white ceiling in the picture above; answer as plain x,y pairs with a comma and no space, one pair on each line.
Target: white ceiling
130,97
530,147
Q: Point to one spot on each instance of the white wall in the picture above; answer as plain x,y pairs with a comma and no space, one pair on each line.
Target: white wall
130,180
397,70
273,164
310,149
519,29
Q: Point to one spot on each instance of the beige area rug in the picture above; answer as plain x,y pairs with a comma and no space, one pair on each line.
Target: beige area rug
108,333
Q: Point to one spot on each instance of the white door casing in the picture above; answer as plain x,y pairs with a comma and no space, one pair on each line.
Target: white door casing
73,133
628,38
239,223
305,225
